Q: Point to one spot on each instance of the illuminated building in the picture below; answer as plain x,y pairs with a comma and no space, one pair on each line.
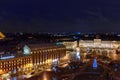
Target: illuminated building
31,55
46,53
92,43
70,45
100,46
2,36
11,64
96,43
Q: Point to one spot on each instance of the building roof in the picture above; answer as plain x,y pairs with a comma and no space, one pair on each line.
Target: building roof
43,45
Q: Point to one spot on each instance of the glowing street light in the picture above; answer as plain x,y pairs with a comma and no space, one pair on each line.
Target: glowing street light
77,53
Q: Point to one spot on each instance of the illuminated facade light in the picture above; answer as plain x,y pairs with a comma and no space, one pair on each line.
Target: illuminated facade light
26,50
77,54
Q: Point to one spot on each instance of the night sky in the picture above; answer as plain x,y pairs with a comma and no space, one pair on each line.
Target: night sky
59,15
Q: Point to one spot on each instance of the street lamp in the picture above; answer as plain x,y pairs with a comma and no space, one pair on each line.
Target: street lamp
77,53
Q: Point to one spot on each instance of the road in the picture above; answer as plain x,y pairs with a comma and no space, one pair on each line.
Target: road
45,75
49,75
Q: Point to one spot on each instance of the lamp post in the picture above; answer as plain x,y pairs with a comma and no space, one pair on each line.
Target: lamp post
77,54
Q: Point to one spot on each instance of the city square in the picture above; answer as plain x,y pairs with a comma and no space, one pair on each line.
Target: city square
59,39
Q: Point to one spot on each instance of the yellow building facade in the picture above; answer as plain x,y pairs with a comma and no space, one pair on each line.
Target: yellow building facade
34,55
